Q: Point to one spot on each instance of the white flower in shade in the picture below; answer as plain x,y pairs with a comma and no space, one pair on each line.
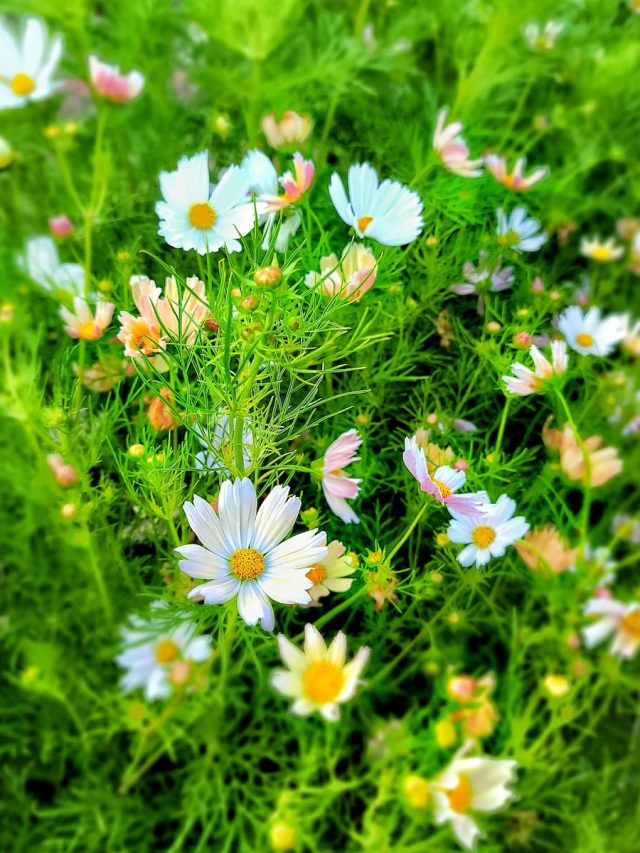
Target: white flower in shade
42,265
319,678
388,212
526,381
246,552
193,216
452,149
333,574
81,323
157,655
219,445
590,334
110,84
599,250
489,534
617,618
444,484
542,38
27,64
518,231
472,784
336,485
348,278
516,180
263,182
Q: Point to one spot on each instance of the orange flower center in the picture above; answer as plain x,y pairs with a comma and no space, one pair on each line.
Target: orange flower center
202,215
316,573
140,337
445,491
364,222
460,797
22,85
483,536
584,339
247,564
323,682
631,623
166,651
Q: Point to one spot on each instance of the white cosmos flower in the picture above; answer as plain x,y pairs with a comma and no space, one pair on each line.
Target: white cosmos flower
617,618
219,446
489,534
156,655
590,334
194,216
331,574
244,554
319,678
388,212
27,64
471,784
603,251
42,265
518,231
526,381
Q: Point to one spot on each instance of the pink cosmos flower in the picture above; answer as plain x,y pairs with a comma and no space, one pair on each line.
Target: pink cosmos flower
526,381
292,129
497,166
444,483
111,84
350,277
452,149
294,185
61,226
81,323
337,487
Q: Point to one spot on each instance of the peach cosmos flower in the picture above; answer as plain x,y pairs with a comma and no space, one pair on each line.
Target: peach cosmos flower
110,84
434,454
497,167
604,462
350,277
160,413
292,129
545,549
82,324
336,485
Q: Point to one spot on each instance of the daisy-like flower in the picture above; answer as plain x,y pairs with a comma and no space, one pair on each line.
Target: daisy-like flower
292,129
263,182
589,333
518,231
599,250
526,381
487,534
159,659
219,447
81,323
245,553
27,64
42,265
497,167
110,84
348,278
444,483
294,185
336,485
142,335
452,149
318,678
542,38
615,617
333,574
388,212
471,784
192,216
483,279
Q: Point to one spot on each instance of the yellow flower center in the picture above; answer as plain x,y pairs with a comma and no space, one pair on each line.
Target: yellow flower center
202,215
511,238
22,85
601,253
460,797
364,222
247,564
316,573
166,651
445,491
584,339
483,536
88,331
631,623
323,682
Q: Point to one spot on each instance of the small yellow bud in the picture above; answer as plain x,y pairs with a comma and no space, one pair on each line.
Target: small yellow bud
491,457
221,124
442,539
30,674
445,734
374,558
267,276
431,240
416,790
363,419
282,836
105,286
437,577
69,511
71,128
123,255
453,618
52,131
556,685
136,450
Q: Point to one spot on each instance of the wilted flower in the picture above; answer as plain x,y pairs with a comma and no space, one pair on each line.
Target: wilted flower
518,231
160,412
526,381
336,485
483,279
333,573
387,212
615,617
544,549
247,553
601,250
81,323
487,534
542,38
497,166
350,277
27,64
65,474
318,678
61,226
292,129
604,462
110,84
452,149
